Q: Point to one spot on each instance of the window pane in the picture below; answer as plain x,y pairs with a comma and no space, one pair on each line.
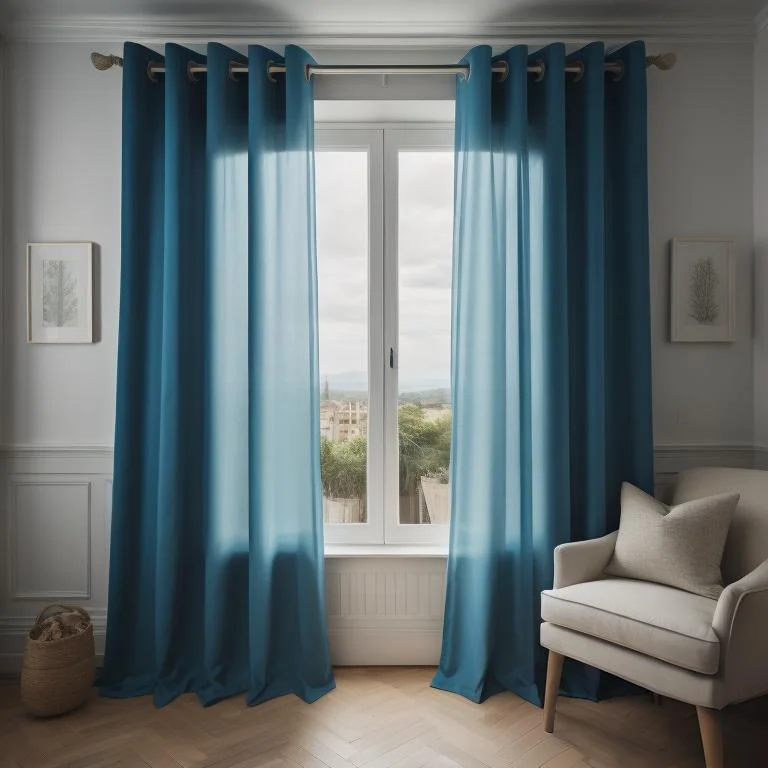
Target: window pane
342,273
425,216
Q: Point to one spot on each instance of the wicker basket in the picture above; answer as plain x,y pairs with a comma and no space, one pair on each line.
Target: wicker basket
56,675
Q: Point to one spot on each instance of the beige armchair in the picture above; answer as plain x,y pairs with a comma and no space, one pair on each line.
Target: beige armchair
709,653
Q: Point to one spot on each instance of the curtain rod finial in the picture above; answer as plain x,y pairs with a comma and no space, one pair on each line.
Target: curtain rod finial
103,61
662,61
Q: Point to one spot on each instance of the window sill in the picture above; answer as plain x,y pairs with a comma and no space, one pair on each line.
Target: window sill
385,550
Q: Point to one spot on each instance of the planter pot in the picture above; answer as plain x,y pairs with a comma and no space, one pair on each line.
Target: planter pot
342,510
437,497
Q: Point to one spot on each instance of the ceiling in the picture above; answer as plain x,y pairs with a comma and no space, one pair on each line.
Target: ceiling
394,11
385,25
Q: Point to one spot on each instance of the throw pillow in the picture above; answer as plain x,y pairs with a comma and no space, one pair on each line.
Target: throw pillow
678,546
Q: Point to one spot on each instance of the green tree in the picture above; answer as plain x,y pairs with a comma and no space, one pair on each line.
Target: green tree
343,467
425,446
425,449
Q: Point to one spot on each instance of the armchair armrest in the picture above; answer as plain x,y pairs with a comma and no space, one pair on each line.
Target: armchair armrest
581,561
741,624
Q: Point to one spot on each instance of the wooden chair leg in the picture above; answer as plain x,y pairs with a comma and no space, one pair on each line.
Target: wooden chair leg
554,672
711,736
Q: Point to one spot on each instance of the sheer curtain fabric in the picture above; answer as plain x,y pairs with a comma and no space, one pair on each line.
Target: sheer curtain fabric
216,573
551,363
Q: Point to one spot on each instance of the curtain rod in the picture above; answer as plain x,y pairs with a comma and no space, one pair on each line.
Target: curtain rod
662,61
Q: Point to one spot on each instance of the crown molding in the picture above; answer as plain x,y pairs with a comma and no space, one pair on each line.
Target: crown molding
373,35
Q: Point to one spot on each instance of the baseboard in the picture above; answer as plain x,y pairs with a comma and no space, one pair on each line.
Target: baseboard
349,648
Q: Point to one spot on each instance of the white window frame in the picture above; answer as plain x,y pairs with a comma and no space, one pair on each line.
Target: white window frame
383,143
370,141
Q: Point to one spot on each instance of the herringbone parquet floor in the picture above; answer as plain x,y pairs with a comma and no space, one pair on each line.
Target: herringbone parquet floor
378,717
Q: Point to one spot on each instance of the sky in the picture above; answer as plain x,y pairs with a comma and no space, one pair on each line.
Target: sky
425,211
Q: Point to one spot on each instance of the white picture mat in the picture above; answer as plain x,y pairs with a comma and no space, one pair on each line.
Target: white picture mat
686,252
78,257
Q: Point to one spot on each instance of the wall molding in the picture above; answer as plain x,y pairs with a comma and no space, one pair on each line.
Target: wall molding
671,458
13,554
761,457
380,610
56,459
104,451
676,456
371,35
55,451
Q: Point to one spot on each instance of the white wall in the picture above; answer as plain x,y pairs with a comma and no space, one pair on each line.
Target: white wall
62,181
700,176
761,245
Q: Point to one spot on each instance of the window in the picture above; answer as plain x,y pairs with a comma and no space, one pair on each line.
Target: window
384,253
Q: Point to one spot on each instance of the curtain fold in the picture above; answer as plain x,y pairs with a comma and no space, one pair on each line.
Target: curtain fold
551,369
216,561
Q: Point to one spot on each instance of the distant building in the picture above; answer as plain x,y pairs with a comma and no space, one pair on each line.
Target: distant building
343,420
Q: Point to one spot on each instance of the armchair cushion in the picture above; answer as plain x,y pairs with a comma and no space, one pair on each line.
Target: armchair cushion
662,622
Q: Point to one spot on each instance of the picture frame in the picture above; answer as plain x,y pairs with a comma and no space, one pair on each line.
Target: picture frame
60,293
702,290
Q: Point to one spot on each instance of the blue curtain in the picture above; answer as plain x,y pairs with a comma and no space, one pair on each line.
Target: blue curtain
216,573
551,369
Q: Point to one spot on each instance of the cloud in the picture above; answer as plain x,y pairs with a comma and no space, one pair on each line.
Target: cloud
425,237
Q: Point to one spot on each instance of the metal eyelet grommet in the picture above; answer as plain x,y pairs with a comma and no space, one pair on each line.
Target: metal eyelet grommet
616,76
270,76
150,74
308,73
581,69
502,76
542,71
190,74
231,70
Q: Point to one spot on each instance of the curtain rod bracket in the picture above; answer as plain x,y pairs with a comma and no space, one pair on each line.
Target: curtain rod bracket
662,61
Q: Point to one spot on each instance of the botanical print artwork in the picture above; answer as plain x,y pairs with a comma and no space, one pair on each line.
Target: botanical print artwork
702,292
60,294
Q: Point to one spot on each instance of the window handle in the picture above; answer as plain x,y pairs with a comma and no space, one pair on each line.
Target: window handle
391,358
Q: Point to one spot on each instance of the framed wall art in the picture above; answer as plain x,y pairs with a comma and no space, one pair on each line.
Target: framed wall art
60,293
702,290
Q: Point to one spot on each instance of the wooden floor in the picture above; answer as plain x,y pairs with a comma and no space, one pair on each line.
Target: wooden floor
376,718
